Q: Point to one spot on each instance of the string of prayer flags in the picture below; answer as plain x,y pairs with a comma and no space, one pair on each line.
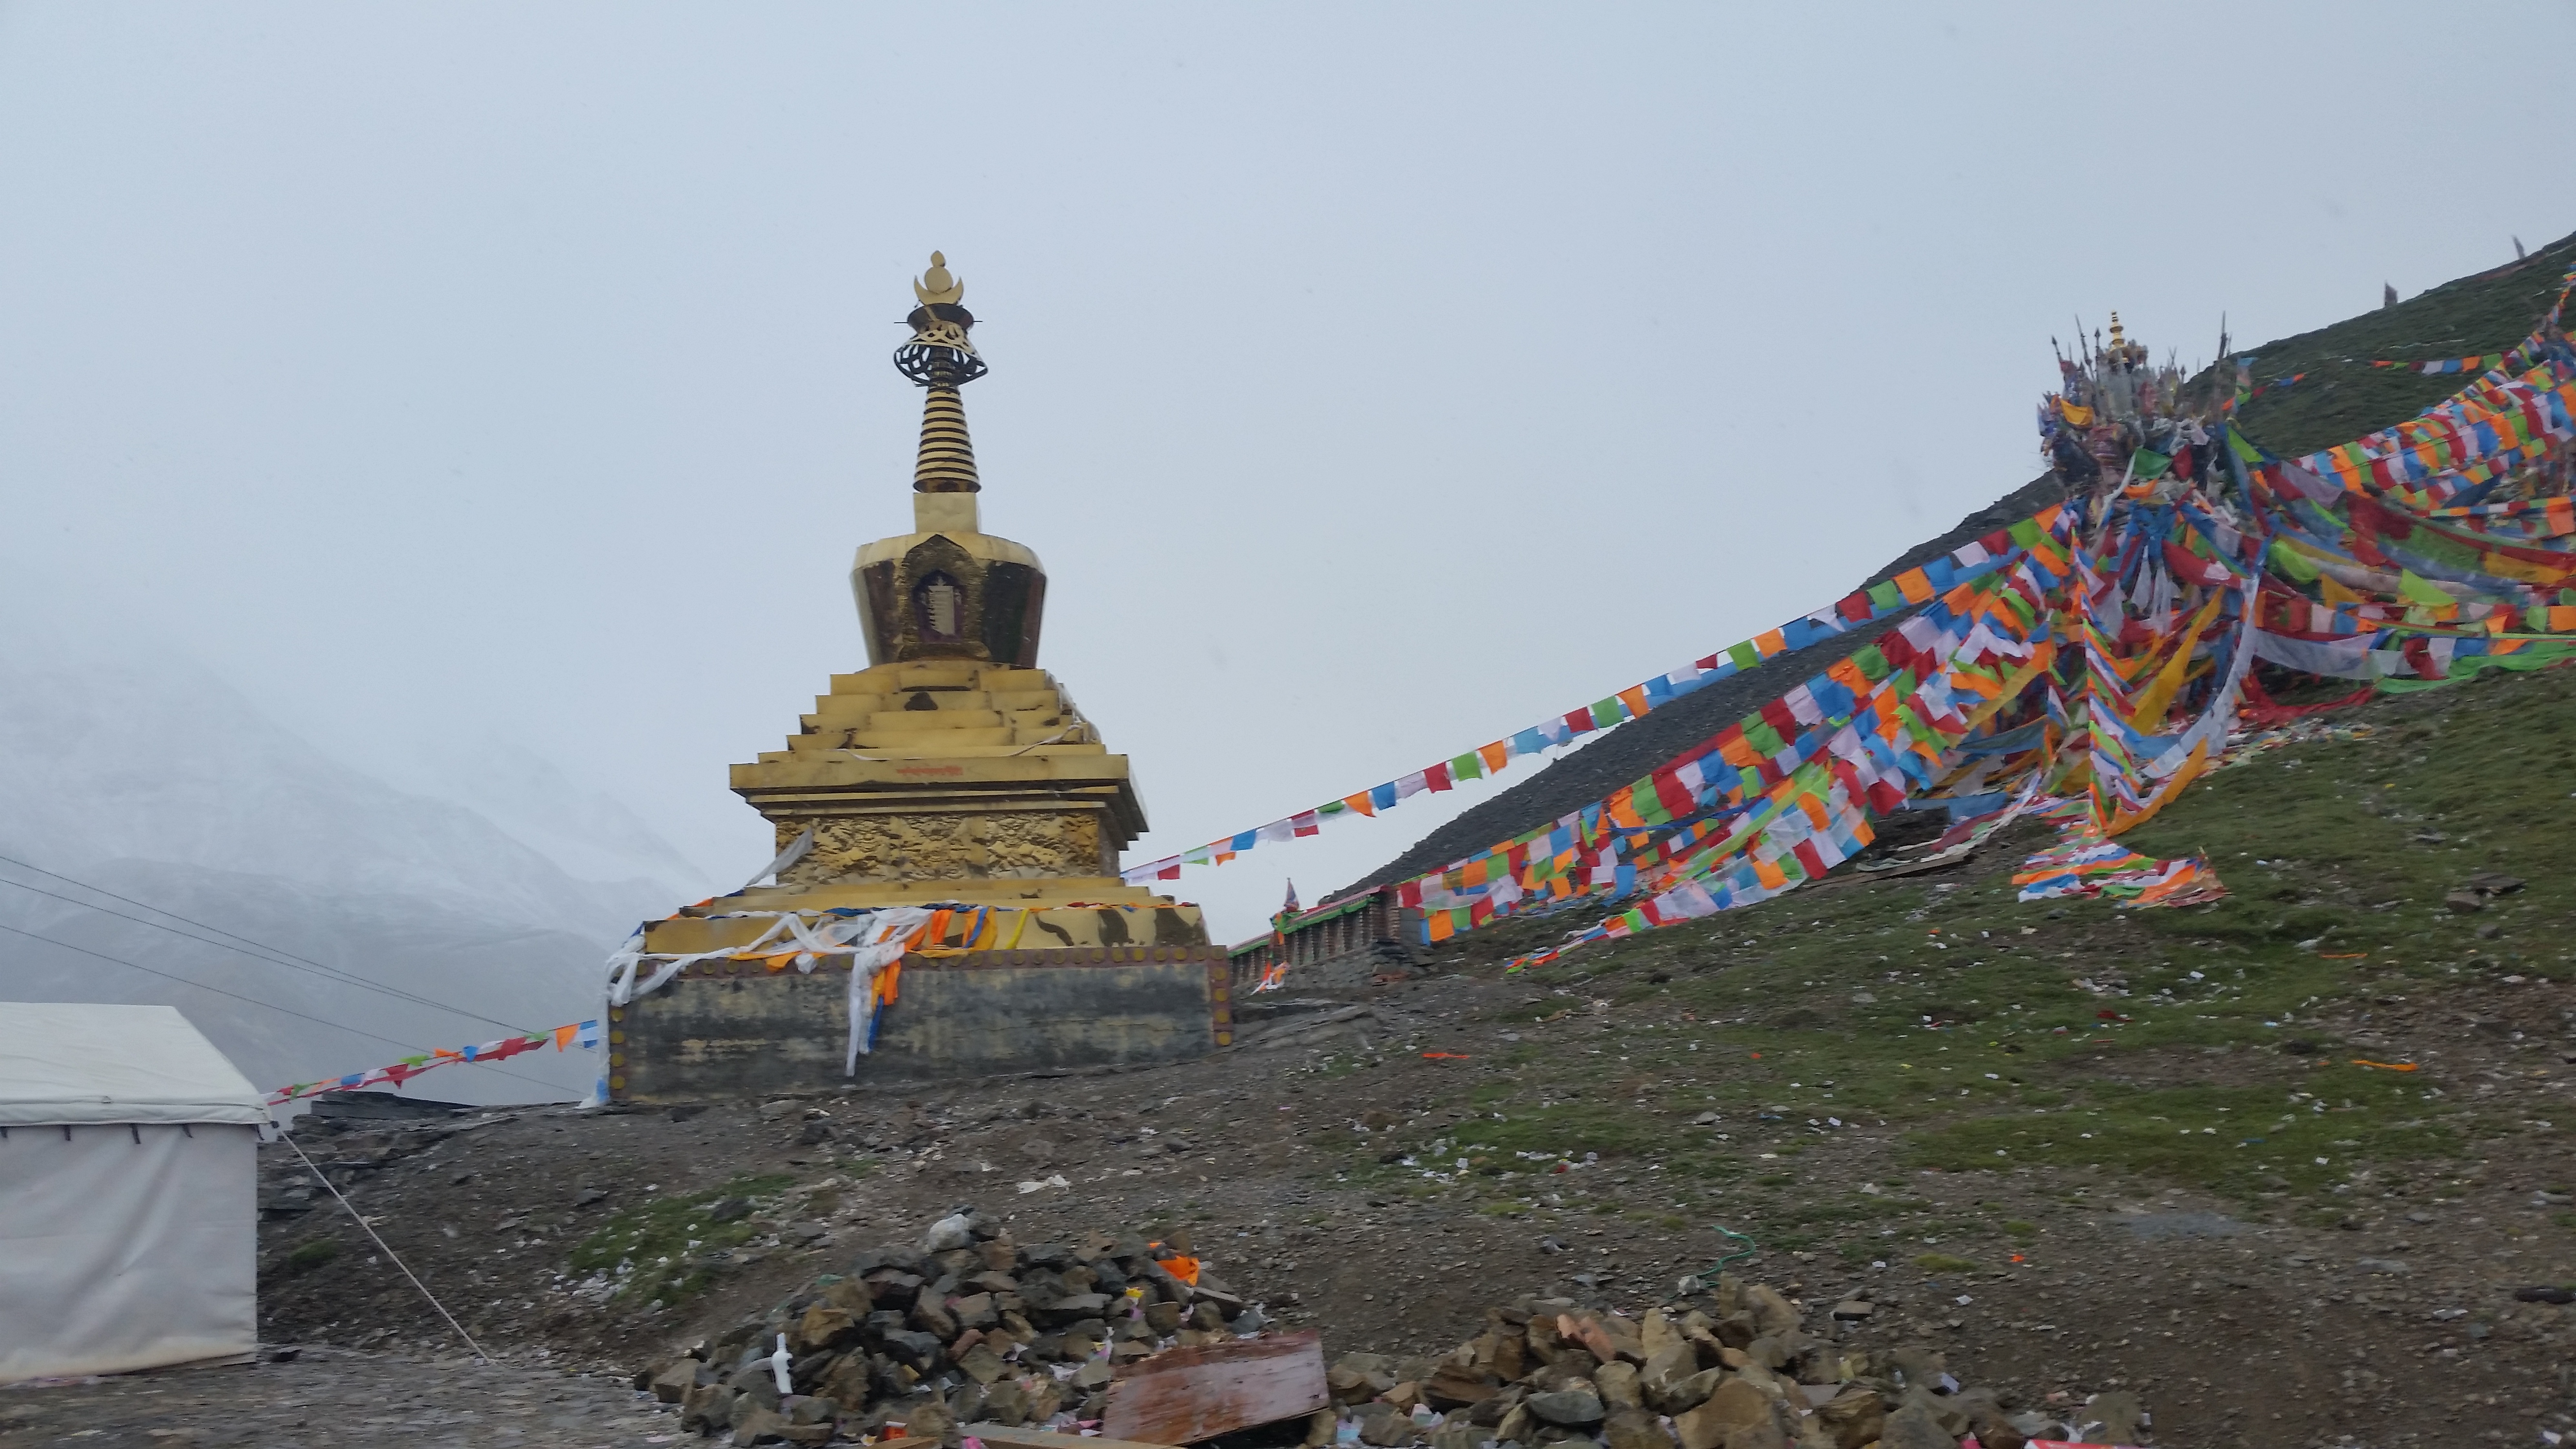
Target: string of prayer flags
1907,589
2489,363
578,1033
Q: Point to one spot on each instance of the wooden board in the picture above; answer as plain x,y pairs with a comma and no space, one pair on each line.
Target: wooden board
1184,1395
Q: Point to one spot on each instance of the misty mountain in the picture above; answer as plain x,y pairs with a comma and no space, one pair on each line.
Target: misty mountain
145,775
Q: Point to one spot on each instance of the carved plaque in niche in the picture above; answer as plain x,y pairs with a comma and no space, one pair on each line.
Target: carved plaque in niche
1026,845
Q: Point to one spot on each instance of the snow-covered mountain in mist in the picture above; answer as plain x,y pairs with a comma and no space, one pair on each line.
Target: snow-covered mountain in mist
143,774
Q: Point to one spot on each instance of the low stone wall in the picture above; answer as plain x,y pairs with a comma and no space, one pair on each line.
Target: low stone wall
1351,973
728,1033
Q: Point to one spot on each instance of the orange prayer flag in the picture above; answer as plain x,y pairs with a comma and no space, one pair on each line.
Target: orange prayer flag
1499,754
1359,802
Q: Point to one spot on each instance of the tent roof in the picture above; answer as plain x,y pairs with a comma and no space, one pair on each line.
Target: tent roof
76,1062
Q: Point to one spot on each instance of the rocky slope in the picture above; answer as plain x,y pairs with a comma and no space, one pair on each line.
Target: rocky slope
2076,1149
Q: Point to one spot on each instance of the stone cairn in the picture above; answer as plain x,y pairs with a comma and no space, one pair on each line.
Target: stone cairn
1737,1370
969,1328
975,1328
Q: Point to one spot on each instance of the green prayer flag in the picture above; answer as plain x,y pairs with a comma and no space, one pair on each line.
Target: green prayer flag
1744,655
2292,562
2415,589
1469,766
2147,463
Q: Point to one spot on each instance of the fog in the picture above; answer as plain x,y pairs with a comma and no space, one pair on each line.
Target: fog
434,437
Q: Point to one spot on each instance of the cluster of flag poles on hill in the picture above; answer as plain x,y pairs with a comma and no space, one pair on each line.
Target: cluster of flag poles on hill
2086,664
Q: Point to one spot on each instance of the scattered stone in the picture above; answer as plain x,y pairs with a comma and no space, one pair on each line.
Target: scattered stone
1570,1408
589,1195
1627,1428
1915,1427
1384,1425
2544,1294
1854,1417
1736,1405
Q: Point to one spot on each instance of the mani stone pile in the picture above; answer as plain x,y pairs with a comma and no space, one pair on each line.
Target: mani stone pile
970,1328
1740,1373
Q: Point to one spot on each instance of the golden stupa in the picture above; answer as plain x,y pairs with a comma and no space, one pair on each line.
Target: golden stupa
952,771
952,768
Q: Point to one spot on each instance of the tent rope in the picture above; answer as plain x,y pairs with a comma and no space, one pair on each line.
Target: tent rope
369,1229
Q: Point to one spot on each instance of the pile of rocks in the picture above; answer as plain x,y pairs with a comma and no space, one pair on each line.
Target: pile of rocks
970,1327
1740,1371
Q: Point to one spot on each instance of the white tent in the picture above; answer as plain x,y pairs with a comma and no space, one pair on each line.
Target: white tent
128,1192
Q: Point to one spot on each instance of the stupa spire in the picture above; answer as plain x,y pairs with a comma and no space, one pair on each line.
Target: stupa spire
939,357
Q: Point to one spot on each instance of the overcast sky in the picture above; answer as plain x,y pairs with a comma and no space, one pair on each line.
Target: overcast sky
1373,380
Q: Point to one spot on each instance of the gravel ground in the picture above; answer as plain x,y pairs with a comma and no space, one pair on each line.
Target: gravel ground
325,1398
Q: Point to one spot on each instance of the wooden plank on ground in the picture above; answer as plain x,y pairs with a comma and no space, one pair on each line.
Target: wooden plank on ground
1184,1395
1003,1436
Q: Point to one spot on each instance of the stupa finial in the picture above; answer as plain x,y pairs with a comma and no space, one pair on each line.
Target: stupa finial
938,356
939,284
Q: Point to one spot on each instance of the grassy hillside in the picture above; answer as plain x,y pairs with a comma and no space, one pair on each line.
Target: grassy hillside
2342,396
2082,1052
